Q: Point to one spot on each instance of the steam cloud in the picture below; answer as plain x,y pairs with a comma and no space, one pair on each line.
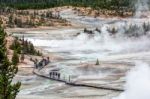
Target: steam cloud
138,83
140,6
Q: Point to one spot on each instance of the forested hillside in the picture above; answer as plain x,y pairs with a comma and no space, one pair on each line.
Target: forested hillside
96,4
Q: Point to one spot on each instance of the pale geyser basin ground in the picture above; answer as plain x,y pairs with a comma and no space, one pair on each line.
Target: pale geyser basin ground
78,55
45,89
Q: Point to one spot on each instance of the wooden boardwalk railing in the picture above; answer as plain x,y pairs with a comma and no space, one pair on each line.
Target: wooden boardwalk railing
35,71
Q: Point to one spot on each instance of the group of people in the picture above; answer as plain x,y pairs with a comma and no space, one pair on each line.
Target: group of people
54,75
41,63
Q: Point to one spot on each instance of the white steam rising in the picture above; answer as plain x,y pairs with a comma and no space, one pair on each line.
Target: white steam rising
138,83
97,42
141,6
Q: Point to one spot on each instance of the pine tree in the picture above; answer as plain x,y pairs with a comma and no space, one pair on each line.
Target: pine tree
97,62
7,72
16,46
11,21
146,27
15,58
31,48
22,57
114,30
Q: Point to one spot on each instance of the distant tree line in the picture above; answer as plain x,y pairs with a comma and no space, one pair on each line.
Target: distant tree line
30,19
96,4
132,30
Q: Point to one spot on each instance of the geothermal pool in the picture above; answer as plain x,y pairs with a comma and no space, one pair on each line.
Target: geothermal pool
77,52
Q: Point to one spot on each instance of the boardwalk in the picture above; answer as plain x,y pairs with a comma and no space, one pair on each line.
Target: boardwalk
36,72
